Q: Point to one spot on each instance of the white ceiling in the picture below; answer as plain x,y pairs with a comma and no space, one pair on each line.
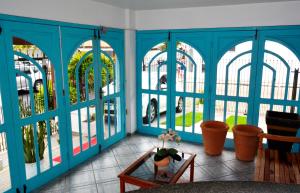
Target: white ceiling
165,4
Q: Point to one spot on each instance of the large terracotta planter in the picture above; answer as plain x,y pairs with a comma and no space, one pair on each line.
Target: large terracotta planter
214,134
246,141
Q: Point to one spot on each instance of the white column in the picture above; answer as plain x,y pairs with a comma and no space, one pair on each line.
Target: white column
130,72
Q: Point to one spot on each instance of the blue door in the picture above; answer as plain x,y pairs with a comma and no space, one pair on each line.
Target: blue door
81,86
278,82
233,78
112,81
8,161
190,66
36,96
94,90
172,72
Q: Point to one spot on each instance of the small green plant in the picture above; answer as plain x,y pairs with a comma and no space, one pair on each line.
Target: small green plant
28,137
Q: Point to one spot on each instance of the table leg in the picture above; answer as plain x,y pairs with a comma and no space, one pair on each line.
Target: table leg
192,171
122,186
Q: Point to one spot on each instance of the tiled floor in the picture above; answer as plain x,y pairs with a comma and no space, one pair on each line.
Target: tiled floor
99,174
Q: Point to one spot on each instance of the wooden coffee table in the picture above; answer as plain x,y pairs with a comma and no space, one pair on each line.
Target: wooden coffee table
145,174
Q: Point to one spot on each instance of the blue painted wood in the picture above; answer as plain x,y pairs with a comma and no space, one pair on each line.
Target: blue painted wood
115,38
40,36
71,39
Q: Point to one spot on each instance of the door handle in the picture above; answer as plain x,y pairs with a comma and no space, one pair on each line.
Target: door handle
25,188
100,93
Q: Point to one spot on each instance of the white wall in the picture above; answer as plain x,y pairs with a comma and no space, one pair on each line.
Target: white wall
75,11
261,14
130,69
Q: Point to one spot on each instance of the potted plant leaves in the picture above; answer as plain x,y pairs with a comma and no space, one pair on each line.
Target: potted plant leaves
163,155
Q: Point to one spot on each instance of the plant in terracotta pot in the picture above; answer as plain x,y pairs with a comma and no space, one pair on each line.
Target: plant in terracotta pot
163,154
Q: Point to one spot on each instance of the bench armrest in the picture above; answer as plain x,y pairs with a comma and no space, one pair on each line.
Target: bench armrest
276,138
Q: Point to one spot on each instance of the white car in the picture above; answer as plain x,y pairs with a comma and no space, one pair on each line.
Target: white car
32,72
153,104
150,108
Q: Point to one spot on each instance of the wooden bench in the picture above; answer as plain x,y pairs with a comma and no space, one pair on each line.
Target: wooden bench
272,167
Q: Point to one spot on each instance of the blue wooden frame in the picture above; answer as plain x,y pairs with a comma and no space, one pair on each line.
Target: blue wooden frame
220,41
47,36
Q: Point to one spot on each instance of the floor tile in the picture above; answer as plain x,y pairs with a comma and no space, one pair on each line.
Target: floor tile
83,189
109,187
100,173
218,170
101,162
80,178
106,175
240,166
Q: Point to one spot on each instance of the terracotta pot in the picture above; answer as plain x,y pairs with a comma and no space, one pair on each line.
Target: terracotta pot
245,141
162,163
214,134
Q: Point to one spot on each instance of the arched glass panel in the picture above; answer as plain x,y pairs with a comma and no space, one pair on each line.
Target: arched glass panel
279,79
233,80
190,76
35,83
154,77
110,76
82,98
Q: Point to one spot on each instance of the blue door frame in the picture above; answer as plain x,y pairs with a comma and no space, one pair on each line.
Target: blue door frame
57,40
219,41
39,36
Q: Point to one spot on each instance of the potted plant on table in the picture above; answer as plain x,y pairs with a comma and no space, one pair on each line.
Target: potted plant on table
163,154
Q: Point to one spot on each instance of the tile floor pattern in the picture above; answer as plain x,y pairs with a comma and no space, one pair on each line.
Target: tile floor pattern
99,174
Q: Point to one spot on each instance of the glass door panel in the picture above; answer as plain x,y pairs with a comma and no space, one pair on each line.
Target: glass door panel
233,84
155,87
280,85
189,89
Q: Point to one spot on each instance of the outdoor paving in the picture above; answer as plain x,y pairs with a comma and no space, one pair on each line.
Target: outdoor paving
99,174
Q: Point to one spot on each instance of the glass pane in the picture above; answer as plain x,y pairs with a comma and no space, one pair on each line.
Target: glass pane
219,110
199,107
91,84
111,118
179,116
79,69
244,82
267,83
117,114
229,66
145,109
162,111
284,62
105,120
35,78
43,143
85,123
190,69
230,114
111,63
75,131
55,141
263,108
29,151
153,66
93,125
5,182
